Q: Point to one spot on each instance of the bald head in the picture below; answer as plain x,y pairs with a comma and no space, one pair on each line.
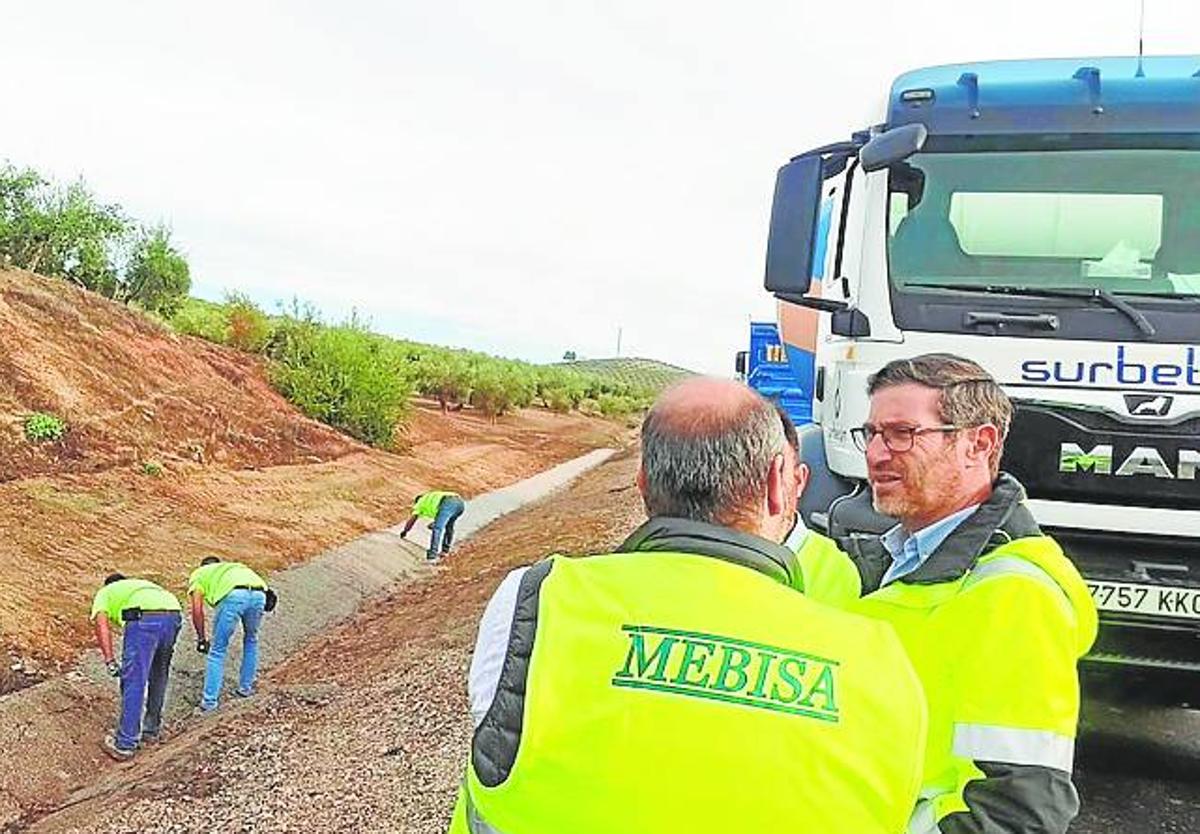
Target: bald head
708,448
704,406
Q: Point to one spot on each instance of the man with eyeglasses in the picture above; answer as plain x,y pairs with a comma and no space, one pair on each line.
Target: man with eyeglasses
993,614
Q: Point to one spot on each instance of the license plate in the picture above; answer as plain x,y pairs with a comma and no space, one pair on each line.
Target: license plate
1147,599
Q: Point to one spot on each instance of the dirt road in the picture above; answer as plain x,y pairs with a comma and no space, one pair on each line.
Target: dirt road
365,729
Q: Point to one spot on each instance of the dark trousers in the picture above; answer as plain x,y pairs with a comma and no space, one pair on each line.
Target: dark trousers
146,650
442,533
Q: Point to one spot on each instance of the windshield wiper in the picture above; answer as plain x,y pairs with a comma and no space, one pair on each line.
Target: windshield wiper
1104,297
1163,296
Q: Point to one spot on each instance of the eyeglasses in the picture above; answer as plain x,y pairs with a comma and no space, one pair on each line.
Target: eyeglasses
895,438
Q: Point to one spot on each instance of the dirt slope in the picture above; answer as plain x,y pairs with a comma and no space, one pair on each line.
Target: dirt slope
245,476
366,729
133,391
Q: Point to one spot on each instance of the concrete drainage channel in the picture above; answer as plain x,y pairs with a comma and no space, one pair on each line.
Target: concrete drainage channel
56,720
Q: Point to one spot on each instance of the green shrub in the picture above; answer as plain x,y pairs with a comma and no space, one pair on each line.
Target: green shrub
246,325
521,382
491,393
502,385
152,468
616,405
558,400
157,275
444,375
41,427
201,318
343,376
293,338
65,231
559,390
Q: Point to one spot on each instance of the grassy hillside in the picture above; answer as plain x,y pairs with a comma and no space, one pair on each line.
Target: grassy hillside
360,381
644,374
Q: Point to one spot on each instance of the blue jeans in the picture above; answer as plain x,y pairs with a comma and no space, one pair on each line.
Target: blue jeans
443,523
146,650
239,605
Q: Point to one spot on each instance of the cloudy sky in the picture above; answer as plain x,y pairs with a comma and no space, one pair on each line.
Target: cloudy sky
521,177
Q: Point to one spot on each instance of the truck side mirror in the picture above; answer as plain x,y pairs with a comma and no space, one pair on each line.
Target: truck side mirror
795,216
739,362
893,145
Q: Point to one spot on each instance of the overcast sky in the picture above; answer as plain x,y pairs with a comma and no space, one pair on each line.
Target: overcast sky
521,177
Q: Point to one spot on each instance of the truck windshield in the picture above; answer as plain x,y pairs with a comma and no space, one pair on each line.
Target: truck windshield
1119,220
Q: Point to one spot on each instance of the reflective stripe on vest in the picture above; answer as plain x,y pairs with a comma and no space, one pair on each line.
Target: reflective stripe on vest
1016,566
476,823
1014,745
1010,565
924,817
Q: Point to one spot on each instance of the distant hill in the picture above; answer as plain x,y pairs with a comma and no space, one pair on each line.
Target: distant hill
649,374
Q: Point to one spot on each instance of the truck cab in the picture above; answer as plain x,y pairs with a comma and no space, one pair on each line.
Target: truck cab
1041,218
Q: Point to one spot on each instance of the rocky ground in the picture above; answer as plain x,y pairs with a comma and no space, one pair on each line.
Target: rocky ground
366,728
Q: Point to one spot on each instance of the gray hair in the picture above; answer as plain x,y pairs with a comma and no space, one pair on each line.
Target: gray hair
709,466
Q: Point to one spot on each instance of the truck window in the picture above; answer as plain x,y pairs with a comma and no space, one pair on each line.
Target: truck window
1122,220
1014,224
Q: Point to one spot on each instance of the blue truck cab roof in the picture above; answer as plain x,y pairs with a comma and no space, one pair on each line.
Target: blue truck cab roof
1158,95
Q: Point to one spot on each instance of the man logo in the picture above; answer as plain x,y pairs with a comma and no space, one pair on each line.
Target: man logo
1148,405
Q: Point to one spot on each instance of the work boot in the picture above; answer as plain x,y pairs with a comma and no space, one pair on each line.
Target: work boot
116,753
150,740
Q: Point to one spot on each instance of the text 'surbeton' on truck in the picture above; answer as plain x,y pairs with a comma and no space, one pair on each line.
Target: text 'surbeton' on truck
1043,219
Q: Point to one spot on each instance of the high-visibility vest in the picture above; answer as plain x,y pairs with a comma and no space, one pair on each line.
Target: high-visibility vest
996,649
426,505
655,691
826,573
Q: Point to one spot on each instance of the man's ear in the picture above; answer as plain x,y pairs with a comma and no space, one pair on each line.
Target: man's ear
641,481
984,442
802,473
776,485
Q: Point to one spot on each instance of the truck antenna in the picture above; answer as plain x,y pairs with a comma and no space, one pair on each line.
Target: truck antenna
1141,72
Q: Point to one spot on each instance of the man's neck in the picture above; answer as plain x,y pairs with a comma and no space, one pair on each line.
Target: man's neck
971,499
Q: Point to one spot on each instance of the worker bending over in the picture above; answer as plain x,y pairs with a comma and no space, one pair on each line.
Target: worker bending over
151,618
443,510
238,595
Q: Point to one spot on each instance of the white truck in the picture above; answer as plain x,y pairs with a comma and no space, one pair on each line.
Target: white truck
1043,219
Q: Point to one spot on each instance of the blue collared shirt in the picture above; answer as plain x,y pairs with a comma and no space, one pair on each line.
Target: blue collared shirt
910,551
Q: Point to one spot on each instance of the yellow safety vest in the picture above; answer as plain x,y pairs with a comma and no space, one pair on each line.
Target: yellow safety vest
676,692
826,573
426,505
996,650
